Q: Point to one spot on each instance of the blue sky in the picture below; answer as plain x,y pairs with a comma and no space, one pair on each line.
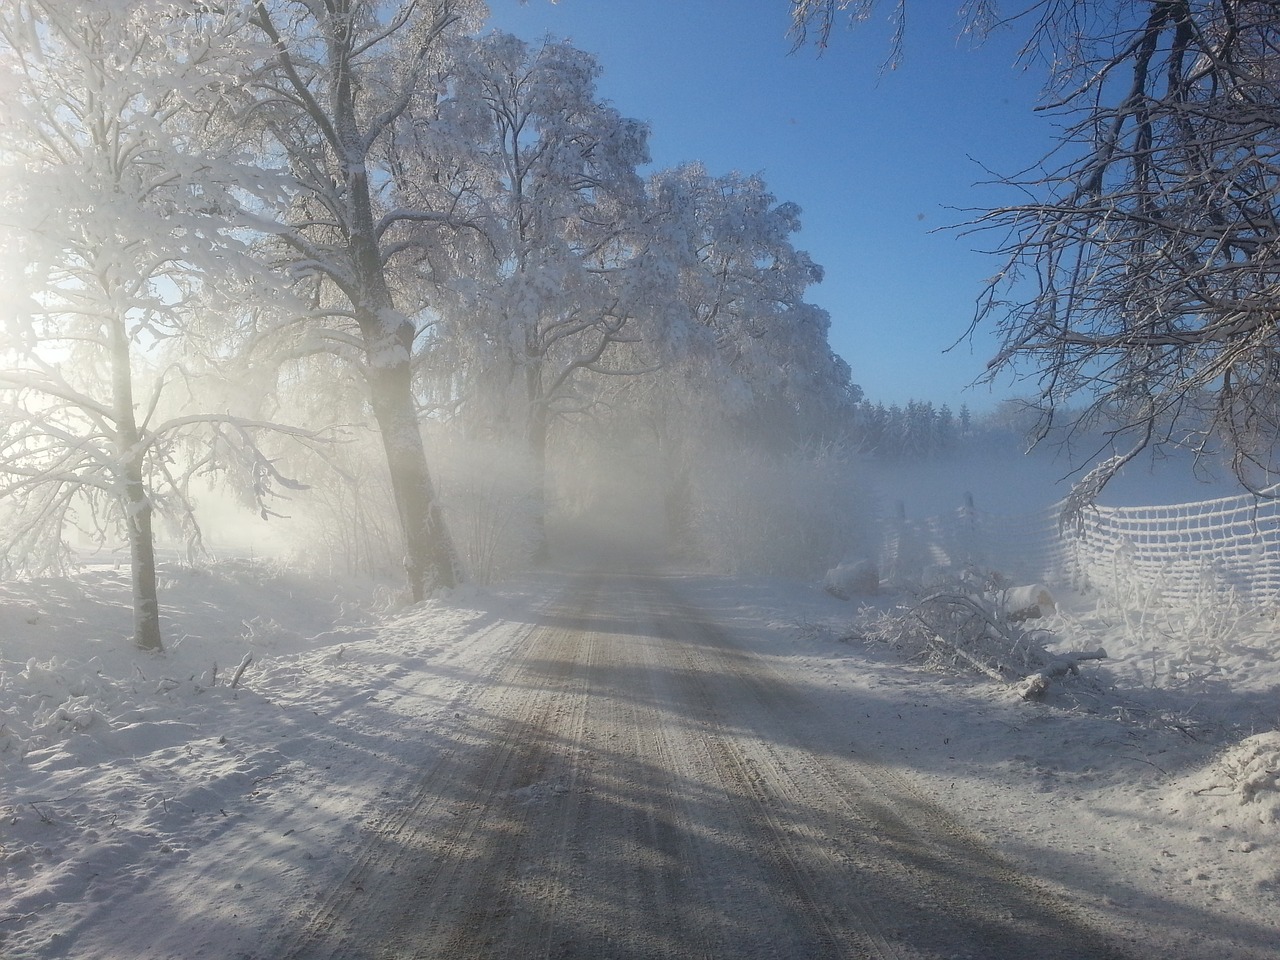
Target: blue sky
878,160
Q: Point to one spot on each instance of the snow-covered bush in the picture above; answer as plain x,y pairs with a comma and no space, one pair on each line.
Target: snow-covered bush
264,633
49,702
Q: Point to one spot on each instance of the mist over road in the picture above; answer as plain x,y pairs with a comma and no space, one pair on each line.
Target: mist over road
628,782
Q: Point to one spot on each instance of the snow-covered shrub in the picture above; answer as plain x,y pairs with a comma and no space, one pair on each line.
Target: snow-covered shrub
48,701
1185,638
264,633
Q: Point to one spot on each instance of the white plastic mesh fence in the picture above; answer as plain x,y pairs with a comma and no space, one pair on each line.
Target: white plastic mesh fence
1183,553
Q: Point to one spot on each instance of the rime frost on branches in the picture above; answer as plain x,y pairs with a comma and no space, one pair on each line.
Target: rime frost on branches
119,206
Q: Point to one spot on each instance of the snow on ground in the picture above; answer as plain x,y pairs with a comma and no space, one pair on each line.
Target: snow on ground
120,769
149,808
1149,786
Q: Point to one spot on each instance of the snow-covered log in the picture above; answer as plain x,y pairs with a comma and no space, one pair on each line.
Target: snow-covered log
1036,686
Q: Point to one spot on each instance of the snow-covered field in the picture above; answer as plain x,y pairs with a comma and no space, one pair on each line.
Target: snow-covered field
152,807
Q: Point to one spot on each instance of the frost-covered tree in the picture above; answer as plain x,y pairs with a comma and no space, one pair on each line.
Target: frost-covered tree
747,355
1142,272
345,82
742,286
113,206
752,349
567,284
1145,273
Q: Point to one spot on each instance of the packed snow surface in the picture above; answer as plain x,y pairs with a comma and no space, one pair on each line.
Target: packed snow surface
177,805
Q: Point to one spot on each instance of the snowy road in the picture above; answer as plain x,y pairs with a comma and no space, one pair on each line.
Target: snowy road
625,781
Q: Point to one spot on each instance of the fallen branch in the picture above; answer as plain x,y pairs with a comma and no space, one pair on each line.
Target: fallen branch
1036,686
1060,666
963,627
970,659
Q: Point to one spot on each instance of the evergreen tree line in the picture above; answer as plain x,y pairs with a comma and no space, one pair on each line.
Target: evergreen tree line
918,430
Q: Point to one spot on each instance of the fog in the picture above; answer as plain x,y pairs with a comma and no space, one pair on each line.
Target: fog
731,509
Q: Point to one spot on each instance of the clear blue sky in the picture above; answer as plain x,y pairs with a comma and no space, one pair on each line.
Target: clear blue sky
876,159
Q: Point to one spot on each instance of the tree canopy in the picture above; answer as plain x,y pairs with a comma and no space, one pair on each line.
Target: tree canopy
380,218
1140,272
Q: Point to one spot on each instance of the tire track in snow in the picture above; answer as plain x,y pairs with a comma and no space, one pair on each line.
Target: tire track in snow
951,895
631,784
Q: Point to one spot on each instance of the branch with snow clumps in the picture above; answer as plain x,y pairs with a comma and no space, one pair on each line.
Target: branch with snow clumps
961,626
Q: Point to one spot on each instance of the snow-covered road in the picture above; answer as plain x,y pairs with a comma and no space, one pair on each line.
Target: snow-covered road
631,783
592,765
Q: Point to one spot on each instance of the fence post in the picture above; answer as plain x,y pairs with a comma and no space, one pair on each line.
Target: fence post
895,559
971,550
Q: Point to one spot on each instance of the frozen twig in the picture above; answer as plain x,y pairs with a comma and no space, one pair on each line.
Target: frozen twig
970,659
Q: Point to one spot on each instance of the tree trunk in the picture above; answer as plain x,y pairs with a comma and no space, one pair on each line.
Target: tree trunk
537,438
134,500
430,557
142,564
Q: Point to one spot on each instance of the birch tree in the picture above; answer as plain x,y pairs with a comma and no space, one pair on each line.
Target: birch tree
113,207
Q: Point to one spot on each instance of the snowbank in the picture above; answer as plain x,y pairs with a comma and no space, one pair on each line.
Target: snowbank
1247,774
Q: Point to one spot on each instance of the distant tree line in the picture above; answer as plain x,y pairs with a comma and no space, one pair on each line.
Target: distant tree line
916,430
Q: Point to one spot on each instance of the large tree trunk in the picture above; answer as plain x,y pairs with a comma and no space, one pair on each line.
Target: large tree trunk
357,109
135,503
537,427
430,557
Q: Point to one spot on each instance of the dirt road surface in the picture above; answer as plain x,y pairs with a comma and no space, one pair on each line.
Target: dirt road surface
627,782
